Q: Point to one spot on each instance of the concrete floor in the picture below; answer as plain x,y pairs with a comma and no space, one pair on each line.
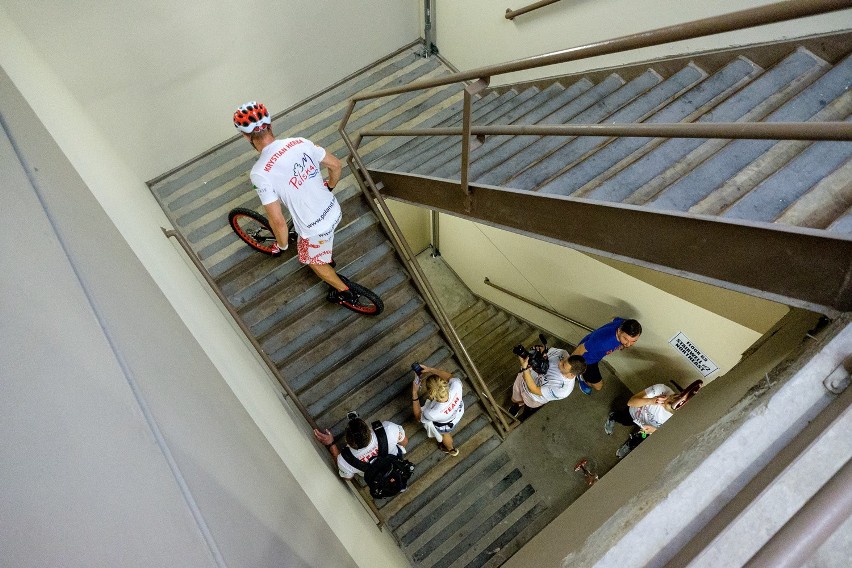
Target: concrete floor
550,443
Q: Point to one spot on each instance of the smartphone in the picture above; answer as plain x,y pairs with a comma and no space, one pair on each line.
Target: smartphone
417,368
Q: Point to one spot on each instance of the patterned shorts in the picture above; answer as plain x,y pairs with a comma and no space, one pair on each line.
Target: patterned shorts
315,250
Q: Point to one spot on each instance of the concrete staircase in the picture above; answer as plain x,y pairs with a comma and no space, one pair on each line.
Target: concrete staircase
789,182
472,510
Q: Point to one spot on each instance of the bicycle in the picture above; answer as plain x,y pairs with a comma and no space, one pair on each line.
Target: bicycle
254,230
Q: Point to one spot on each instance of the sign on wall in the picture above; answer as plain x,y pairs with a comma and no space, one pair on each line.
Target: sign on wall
689,350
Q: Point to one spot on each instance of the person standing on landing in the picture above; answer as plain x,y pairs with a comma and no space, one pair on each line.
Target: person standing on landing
616,335
288,172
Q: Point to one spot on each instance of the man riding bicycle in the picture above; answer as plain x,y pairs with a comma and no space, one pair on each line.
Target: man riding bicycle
288,172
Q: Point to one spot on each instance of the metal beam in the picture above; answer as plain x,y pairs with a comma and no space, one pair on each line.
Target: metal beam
802,267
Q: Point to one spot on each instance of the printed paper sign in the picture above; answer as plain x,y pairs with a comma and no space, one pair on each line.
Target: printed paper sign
688,349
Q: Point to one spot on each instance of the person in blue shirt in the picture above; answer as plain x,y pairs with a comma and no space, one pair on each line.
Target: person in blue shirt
618,334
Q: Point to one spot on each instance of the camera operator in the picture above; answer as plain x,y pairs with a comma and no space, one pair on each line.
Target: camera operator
533,390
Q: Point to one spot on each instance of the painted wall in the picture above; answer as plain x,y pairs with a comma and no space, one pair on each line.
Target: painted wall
162,79
591,292
475,33
103,168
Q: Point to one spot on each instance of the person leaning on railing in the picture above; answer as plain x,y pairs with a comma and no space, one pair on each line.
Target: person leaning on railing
649,409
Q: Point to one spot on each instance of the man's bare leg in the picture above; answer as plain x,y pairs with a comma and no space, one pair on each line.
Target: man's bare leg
329,276
597,386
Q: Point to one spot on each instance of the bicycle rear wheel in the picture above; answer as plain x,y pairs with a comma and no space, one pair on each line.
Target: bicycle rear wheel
254,230
367,302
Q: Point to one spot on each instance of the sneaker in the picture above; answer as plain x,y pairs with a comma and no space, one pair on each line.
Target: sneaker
454,452
623,450
610,424
336,297
584,386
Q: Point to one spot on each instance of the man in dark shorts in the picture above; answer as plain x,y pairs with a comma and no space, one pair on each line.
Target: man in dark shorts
618,334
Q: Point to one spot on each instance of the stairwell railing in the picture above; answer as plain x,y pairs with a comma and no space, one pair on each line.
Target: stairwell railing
477,79
512,14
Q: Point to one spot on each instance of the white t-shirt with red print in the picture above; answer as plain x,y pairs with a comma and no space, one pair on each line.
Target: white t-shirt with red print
653,414
289,170
449,412
395,434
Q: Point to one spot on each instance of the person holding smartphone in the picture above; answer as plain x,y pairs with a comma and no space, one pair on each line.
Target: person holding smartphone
444,406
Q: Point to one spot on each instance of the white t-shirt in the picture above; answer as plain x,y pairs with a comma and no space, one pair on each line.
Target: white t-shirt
653,414
289,170
395,434
450,411
553,384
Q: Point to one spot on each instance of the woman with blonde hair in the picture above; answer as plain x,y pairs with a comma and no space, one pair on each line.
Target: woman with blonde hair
444,406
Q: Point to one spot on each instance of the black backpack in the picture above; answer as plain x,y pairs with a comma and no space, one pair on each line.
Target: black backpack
386,474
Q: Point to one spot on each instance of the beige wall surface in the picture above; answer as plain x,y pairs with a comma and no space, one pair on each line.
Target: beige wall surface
99,161
163,78
475,33
591,292
414,222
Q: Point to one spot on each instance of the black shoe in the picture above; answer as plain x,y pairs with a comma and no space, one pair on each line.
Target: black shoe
336,297
516,410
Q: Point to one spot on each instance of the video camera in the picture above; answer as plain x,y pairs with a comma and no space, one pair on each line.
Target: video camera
537,358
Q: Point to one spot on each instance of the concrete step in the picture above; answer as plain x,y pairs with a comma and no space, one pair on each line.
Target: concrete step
540,147
577,97
825,203
624,151
759,97
417,151
738,154
572,150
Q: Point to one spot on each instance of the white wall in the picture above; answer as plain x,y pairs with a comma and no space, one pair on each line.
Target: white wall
475,33
162,79
591,292
105,168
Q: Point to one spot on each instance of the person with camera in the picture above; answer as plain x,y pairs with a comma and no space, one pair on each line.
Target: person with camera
444,406
539,383
362,442
649,409
618,334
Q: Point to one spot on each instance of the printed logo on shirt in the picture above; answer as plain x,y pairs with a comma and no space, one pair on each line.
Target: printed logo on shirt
452,406
303,170
274,157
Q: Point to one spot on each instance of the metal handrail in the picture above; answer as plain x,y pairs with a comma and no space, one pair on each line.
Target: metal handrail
512,14
838,131
544,308
380,208
743,19
370,506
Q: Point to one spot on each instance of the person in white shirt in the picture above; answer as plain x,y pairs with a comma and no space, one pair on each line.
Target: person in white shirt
650,408
362,441
288,172
532,390
444,406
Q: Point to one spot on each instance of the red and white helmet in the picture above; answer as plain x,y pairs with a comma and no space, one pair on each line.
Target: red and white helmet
252,117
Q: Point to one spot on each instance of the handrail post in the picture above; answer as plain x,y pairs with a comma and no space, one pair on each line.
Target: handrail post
469,91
